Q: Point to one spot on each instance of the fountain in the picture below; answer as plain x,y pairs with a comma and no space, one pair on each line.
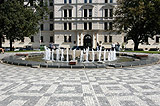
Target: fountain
67,56
100,51
57,56
47,54
74,54
81,56
93,55
62,55
87,51
52,54
104,55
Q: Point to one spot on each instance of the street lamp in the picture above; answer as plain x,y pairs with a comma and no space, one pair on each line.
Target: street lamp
39,38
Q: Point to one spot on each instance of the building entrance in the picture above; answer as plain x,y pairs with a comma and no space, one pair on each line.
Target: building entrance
87,41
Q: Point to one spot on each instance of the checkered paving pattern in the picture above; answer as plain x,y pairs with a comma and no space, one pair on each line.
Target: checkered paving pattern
25,86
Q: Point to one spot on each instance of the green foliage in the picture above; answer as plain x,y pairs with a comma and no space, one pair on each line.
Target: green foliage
140,17
18,21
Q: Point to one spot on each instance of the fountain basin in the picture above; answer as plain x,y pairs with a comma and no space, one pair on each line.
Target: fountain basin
17,60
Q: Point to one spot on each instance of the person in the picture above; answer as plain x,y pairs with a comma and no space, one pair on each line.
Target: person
13,48
113,46
2,50
118,46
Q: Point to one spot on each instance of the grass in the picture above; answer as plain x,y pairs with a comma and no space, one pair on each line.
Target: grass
150,52
125,59
37,59
23,51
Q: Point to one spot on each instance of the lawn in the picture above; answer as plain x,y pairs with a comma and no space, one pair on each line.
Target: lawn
151,52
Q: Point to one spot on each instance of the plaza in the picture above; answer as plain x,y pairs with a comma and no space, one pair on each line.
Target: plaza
25,86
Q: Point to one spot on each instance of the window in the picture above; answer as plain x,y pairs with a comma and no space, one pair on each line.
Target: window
51,27
65,26
31,2
65,1
22,40
51,3
105,38
146,40
51,15
125,39
70,1
65,38
111,13
51,38
32,38
110,39
105,26
111,1
41,38
85,1
3,39
106,13
85,12
41,27
70,40
42,17
90,12
90,1
157,39
125,28
41,3
85,26
90,25
106,1
110,26
70,13
65,13
70,26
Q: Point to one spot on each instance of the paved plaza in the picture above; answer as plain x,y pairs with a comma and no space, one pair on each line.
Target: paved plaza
25,86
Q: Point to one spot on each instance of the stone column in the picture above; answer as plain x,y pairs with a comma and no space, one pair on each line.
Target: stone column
93,41
96,38
77,39
81,39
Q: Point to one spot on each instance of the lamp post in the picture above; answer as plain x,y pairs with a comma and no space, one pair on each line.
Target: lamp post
39,38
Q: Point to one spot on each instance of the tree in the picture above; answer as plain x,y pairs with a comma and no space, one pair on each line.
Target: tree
18,21
139,19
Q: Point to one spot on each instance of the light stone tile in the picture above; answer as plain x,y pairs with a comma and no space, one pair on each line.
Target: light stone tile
89,101
4,85
68,88
19,88
86,89
36,88
154,98
42,101
27,94
17,103
2,97
52,89
65,103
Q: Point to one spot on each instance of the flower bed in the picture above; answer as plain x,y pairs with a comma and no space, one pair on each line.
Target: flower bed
22,55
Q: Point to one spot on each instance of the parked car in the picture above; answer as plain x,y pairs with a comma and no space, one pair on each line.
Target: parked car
78,47
29,48
6,49
18,49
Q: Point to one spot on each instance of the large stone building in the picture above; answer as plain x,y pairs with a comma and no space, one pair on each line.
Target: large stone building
81,23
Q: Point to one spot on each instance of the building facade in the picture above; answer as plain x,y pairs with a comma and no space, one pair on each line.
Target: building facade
84,23
81,23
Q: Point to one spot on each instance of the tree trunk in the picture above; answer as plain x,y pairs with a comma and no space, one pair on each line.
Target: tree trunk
0,41
11,45
136,44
